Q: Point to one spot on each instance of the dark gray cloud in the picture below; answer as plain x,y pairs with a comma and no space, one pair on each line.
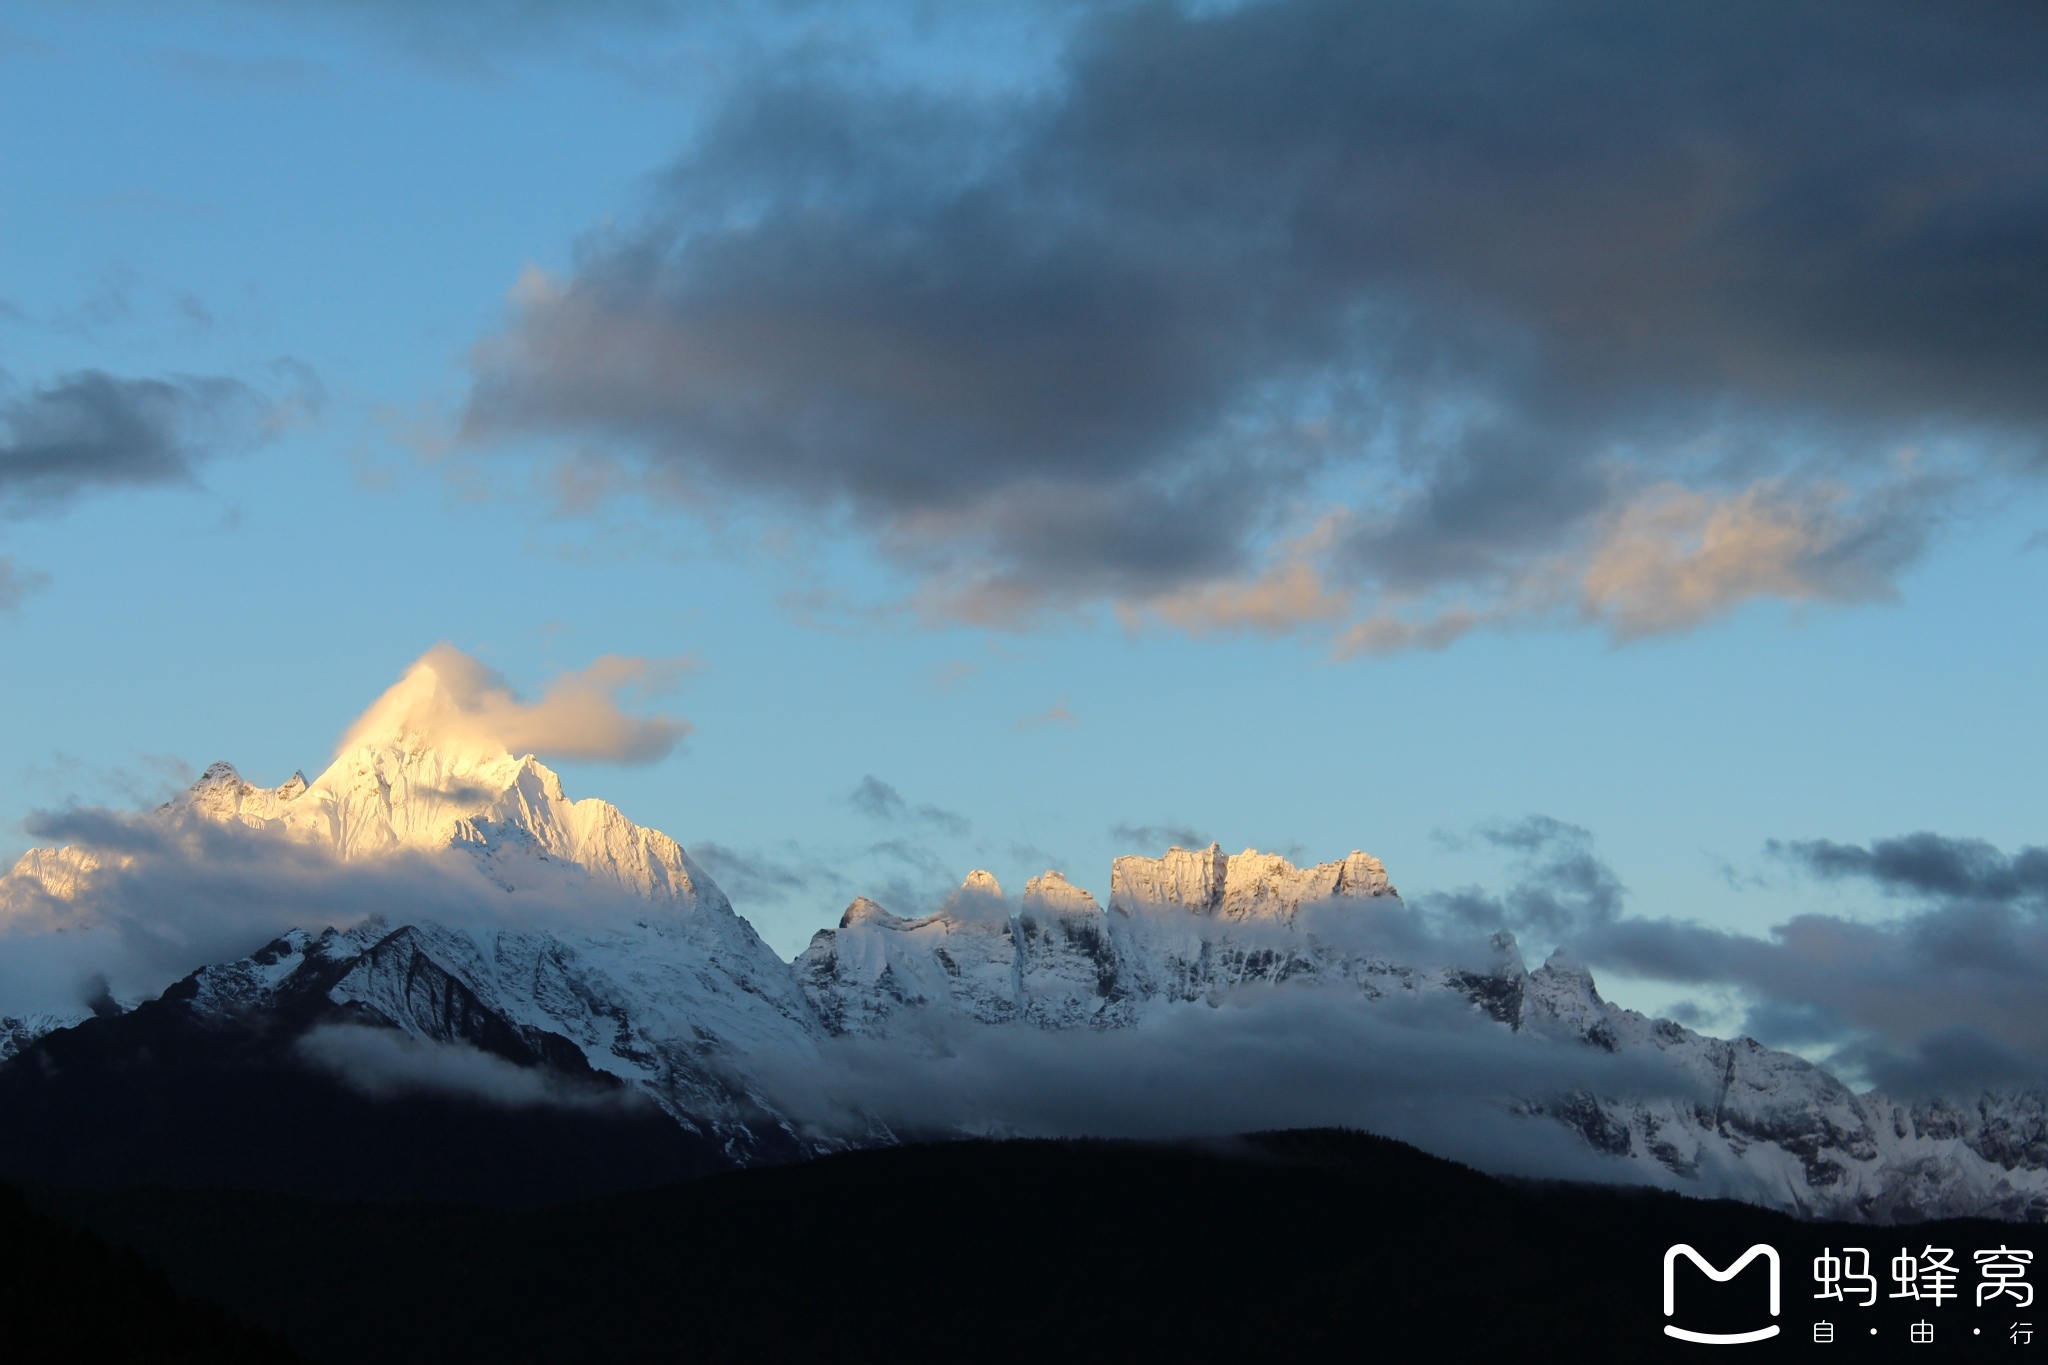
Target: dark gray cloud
1930,866
1954,1061
1165,834
17,582
1647,287
878,800
908,853
1562,887
93,430
918,882
1948,997
1951,995
754,876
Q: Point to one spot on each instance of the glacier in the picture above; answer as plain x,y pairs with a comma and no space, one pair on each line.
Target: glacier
666,993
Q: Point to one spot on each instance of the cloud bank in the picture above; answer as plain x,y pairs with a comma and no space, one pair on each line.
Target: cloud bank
1563,885
1434,1073
162,894
1945,991
383,1063
1389,322
1949,995
448,697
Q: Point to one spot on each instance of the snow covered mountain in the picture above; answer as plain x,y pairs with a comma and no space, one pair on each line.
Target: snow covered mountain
1195,925
1185,927
664,998
680,1002
1780,1131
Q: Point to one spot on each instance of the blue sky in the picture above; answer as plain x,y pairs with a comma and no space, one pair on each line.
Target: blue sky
335,205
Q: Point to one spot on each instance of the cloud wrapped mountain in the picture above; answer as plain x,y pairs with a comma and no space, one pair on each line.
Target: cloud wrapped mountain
167,895
578,716
1390,321
133,901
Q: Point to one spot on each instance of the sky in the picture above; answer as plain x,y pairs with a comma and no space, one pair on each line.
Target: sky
1588,455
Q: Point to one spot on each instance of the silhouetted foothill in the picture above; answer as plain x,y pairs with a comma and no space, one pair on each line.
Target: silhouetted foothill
1305,1245
65,1296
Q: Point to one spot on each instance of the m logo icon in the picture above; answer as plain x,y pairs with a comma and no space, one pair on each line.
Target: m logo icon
1770,1255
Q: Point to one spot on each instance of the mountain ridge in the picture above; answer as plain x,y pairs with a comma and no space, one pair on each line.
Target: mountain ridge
681,1003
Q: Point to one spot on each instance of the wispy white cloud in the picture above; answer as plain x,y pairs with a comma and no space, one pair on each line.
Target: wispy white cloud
1057,714
144,899
446,696
383,1063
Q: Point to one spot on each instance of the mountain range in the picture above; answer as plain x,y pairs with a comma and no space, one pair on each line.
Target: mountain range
662,1000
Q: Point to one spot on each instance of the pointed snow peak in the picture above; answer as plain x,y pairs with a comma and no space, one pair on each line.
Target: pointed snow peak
1561,963
425,710
1562,978
1051,891
1560,994
980,897
222,793
865,911
550,781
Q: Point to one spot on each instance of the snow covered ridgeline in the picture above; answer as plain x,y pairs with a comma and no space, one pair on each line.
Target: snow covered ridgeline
682,1003
1187,926
413,775
511,814
1742,1119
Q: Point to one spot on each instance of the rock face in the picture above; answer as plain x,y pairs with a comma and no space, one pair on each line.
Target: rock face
678,1000
656,1008
1251,887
